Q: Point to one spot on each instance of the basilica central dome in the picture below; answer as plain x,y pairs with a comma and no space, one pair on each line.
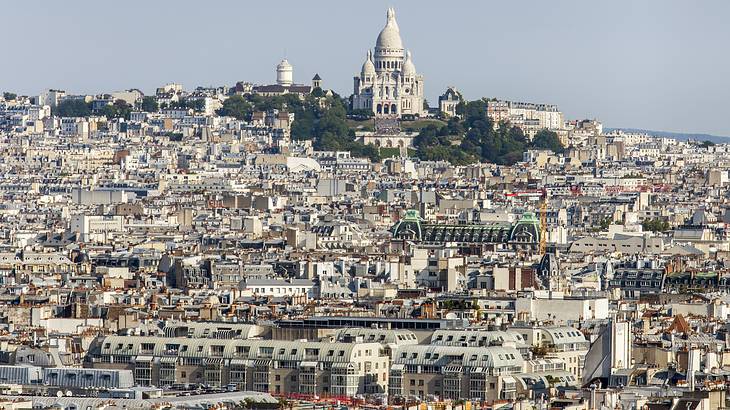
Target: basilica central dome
389,36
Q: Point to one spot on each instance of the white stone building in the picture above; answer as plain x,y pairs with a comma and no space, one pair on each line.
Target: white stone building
388,83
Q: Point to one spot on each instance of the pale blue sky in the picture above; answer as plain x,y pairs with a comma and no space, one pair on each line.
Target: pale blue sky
657,64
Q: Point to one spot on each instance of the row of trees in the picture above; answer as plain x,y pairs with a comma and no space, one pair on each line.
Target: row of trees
80,108
120,108
472,137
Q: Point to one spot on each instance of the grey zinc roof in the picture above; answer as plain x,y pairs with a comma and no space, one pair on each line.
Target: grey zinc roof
477,337
383,336
214,330
430,355
203,348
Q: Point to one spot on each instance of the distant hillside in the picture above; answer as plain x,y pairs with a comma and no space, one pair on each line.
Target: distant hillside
718,139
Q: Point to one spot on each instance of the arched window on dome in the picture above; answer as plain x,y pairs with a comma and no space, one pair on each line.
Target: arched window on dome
386,109
393,109
380,109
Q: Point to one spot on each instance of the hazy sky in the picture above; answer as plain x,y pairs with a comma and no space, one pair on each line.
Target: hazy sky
657,64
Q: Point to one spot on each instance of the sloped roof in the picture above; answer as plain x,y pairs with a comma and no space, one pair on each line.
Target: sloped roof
679,325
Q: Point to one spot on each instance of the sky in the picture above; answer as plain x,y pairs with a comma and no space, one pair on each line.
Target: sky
652,64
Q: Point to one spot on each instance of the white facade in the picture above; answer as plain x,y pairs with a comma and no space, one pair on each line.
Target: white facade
279,288
284,73
554,306
96,227
529,116
388,84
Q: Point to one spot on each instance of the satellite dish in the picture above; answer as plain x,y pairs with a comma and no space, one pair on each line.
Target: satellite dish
59,393
69,393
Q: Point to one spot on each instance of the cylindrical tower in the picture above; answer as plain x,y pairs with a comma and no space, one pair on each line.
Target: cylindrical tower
284,73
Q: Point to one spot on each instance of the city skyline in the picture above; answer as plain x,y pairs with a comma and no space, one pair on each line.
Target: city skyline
195,215
639,61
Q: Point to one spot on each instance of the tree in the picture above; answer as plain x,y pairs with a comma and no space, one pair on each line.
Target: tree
8,96
475,114
149,104
317,92
548,140
73,108
236,107
606,223
471,138
197,104
119,109
122,109
655,225
434,143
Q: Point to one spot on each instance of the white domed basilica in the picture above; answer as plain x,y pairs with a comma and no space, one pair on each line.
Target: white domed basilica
388,83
